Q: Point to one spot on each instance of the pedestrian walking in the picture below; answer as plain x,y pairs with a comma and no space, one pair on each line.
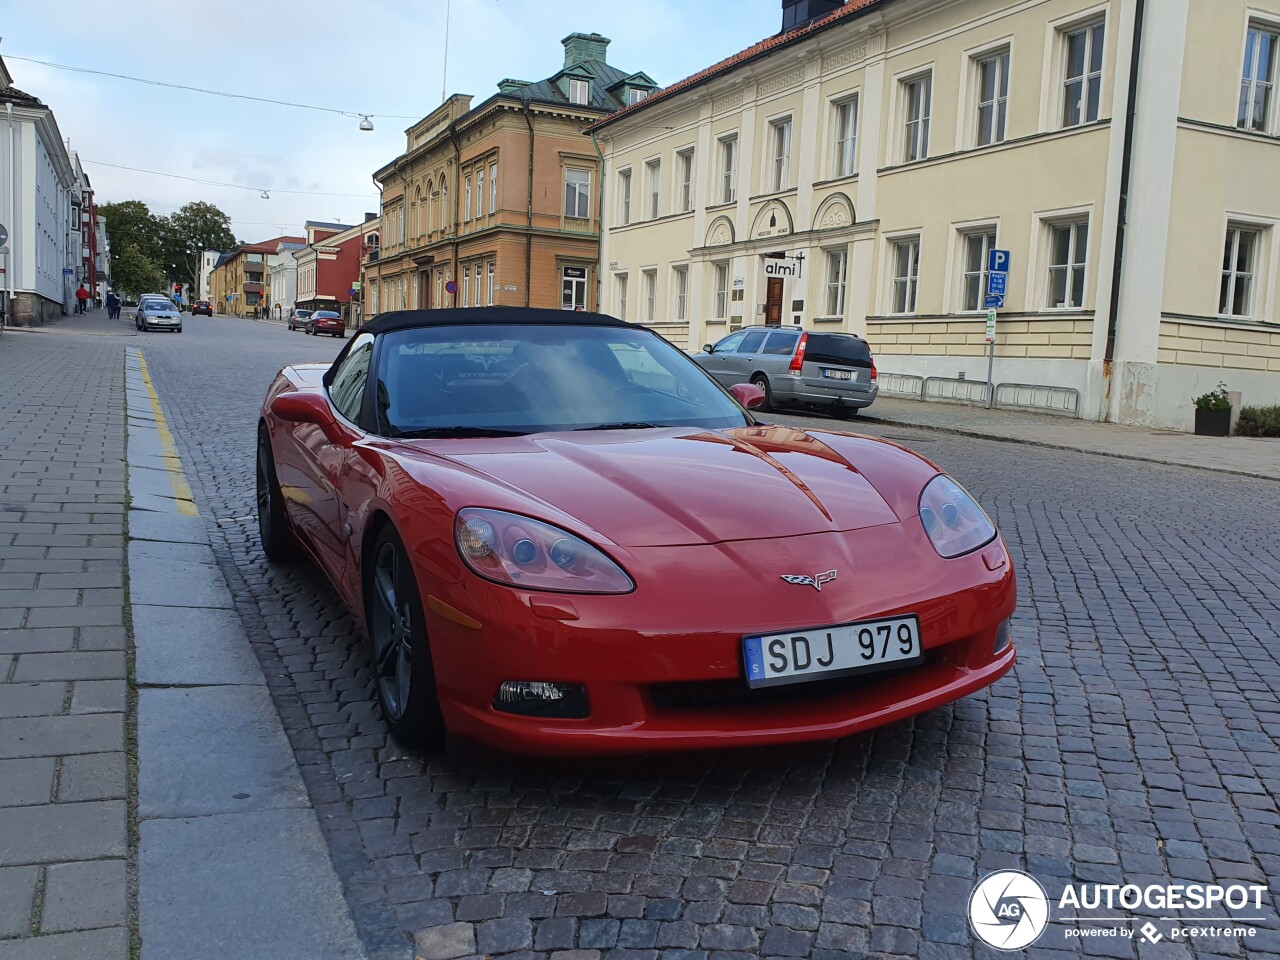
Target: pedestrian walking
113,305
82,299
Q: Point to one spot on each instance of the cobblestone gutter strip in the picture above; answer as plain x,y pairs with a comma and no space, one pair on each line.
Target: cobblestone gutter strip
231,861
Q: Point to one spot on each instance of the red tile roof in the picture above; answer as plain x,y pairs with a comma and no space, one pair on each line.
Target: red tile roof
269,246
742,56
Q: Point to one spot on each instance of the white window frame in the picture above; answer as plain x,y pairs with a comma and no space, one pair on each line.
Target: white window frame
781,130
650,292
1065,32
916,129
987,230
727,171
493,186
653,188
1050,225
680,291
835,290
490,282
1235,228
621,280
581,193
1250,61
624,197
684,172
635,95
999,103
579,91
466,202
720,287
844,157
466,285
909,282
480,191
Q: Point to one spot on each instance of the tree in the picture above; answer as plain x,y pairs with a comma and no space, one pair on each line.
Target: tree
196,227
134,273
131,222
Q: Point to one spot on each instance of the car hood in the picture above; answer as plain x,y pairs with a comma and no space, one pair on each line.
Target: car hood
673,487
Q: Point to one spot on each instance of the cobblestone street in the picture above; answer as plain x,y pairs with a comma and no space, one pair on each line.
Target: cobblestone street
1136,741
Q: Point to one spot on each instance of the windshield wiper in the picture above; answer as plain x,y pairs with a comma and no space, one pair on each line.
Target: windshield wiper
432,433
623,425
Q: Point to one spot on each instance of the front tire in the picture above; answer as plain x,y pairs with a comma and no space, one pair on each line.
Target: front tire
278,541
403,672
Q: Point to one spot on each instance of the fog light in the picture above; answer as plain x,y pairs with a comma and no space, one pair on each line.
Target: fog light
535,698
1004,634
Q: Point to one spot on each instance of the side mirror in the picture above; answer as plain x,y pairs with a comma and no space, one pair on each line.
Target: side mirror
748,394
707,348
302,407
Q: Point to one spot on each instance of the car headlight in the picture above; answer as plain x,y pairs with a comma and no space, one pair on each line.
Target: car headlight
953,520
522,552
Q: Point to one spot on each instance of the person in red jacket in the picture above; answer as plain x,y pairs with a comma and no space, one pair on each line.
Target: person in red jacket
82,299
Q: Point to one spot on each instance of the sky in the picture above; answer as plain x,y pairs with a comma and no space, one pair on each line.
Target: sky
363,56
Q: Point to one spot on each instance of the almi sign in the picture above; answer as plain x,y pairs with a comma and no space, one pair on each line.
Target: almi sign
792,267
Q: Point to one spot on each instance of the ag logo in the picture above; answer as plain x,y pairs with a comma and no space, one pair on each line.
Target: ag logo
1008,910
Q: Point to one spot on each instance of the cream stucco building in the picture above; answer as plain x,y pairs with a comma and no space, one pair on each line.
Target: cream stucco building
1124,151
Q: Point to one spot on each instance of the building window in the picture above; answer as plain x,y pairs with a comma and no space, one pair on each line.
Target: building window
579,91
653,172
1257,79
918,96
439,298
722,291
490,277
577,193
466,198
993,98
728,169
573,288
480,192
479,291
493,187
780,142
432,198
1238,258
1082,82
1068,244
846,129
622,296
635,95
977,247
650,295
906,274
624,197
837,267
466,285
680,278
684,163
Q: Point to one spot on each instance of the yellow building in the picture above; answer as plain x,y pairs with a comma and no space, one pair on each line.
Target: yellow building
854,172
239,283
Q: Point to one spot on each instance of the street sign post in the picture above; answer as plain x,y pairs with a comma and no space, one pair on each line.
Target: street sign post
4,234
998,262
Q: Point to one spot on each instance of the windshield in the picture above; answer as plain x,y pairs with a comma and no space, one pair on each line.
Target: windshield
159,305
472,380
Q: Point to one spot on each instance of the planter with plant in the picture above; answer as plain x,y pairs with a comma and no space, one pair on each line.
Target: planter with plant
1213,413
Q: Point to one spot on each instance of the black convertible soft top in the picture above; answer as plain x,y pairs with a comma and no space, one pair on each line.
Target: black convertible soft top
456,316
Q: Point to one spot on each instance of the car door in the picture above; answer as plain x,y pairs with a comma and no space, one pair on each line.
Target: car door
740,364
323,460
714,362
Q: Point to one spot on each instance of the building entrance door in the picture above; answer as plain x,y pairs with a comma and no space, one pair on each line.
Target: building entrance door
773,302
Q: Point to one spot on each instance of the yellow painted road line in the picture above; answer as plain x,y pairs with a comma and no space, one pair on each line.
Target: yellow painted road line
169,452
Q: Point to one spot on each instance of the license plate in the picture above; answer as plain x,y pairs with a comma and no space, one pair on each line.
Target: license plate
837,374
825,652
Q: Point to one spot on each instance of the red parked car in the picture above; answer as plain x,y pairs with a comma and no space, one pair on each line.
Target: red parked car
325,321
561,536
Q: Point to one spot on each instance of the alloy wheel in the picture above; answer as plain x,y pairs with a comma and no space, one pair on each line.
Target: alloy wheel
392,629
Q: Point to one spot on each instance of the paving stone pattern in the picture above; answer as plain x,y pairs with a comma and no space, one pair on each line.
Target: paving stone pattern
1136,740
63,839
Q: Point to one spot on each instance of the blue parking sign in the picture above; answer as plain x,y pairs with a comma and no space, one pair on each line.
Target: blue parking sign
998,261
996,283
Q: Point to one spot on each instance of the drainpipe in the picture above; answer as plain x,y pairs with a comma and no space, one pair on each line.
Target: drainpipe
528,236
13,237
599,221
457,188
1126,166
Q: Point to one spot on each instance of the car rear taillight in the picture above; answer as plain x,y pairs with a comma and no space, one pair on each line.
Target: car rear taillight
874,373
797,361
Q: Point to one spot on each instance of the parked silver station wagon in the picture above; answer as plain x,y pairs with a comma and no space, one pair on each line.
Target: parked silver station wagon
795,368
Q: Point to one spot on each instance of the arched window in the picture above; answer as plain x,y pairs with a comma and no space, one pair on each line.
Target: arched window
431,209
417,212
444,205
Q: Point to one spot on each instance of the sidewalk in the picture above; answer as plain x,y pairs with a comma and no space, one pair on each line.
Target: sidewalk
1248,456
93,323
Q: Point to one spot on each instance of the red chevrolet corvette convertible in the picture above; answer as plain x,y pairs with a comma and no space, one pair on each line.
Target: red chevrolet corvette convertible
561,536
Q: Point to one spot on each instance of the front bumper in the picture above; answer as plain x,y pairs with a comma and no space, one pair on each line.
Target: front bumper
161,322
663,668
